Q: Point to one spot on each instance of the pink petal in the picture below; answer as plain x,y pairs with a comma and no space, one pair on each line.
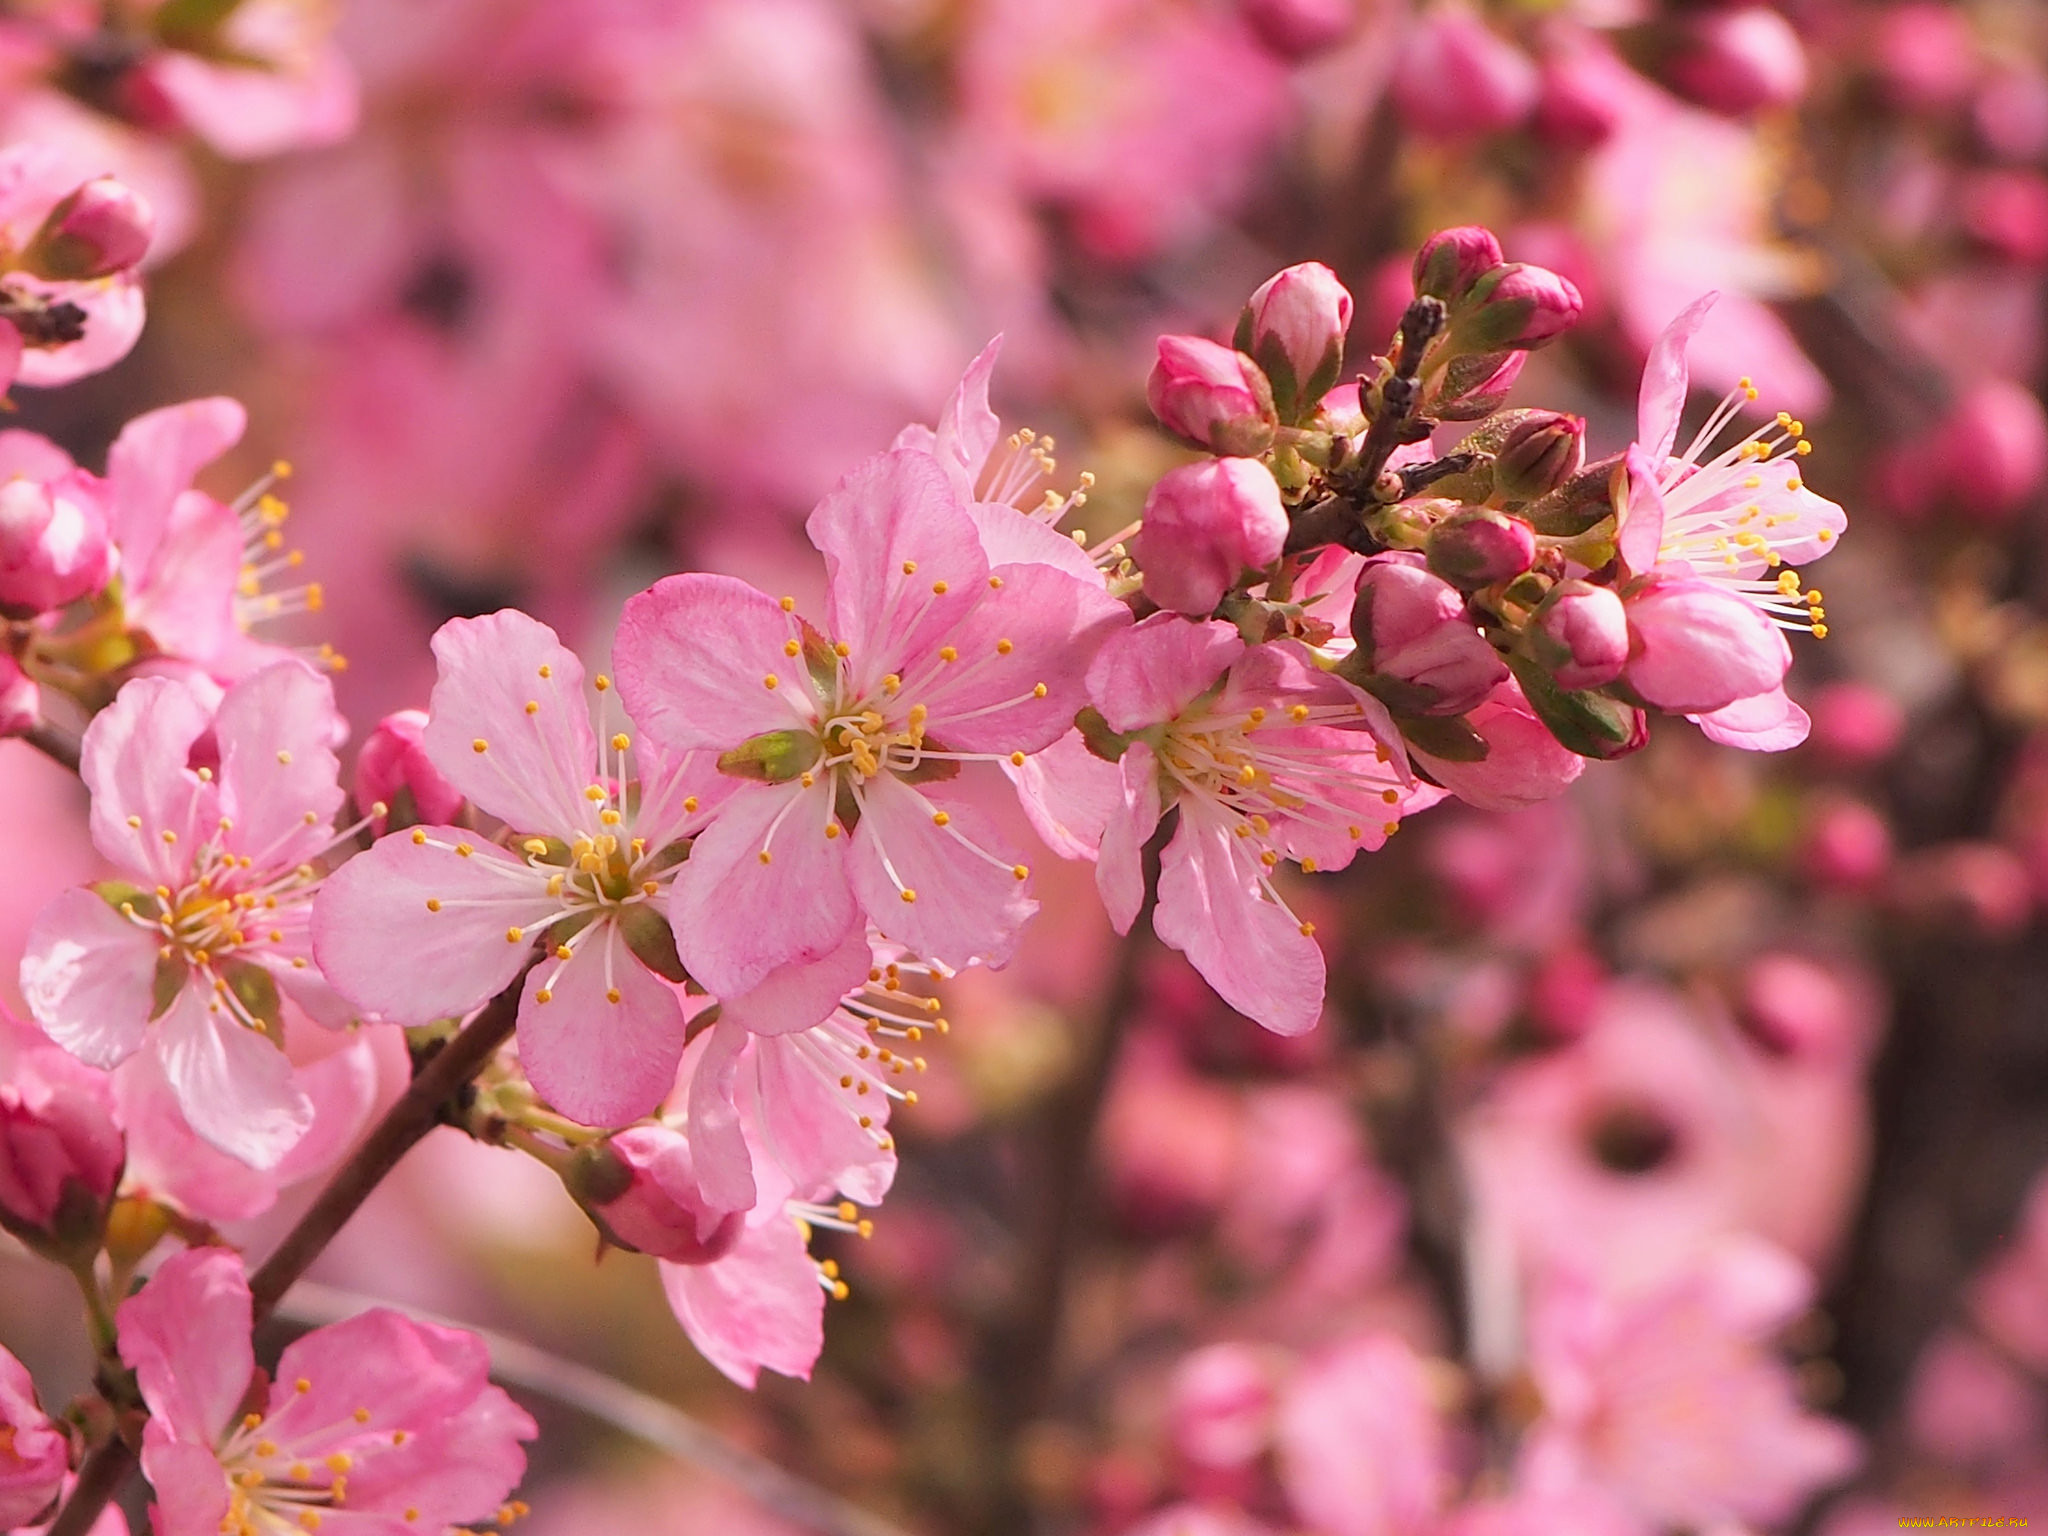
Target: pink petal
1246,946
718,1147
1524,762
385,950
1764,722
456,1467
278,772
236,1089
30,455
190,1485
254,113
1069,794
694,654
186,1337
1120,866
535,764
760,1305
902,562
795,997
968,429
1661,399
969,903
1155,669
133,760
154,459
114,313
89,977
811,1125
1697,648
167,1162
1641,532
184,598
603,1049
737,919
1011,537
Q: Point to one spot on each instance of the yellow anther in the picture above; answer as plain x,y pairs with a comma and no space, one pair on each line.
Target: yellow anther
940,818
611,994
791,648
1391,827
938,589
909,895
546,670
1308,930
134,821
316,597
1004,647
419,838
433,903
841,649
302,1386
1021,871
1298,713
514,935
594,793
891,683
1308,865
1820,631
995,583
533,706
309,1520
563,952
948,653
910,567
690,803
601,682
170,836
251,1420
543,996
609,817
1038,690
340,1461
789,605
265,1448
1257,715
1016,759
480,745
464,850
362,1415
771,681
535,846
831,830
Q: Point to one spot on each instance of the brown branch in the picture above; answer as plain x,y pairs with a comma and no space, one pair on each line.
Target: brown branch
105,1470
60,747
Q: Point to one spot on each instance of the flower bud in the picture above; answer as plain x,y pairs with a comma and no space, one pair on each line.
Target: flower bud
1847,845
1477,546
34,1453
1206,525
1992,449
2010,112
1298,29
1923,53
1575,105
2006,211
61,1153
1580,635
393,769
1476,385
1738,61
640,1187
1696,647
1211,396
1417,649
102,228
1457,78
1220,1404
1294,328
1517,305
1539,455
54,547
1452,260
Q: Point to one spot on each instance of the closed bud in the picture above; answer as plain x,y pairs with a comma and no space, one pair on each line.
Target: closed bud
1298,29
640,1187
1418,650
61,1153
1212,396
1294,329
1477,546
1539,456
1205,526
1457,78
393,769
102,228
1452,260
1587,724
1737,61
1518,305
1575,106
1991,452
34,1452
54,545
1476,385
1579,635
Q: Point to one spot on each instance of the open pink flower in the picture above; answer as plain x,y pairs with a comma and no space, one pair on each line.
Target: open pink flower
1363,1448
34,1453
433,921
760,1306
269,80
1267,757
934,657
217,813
375,1426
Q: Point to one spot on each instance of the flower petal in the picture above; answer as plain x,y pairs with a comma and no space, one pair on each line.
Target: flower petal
1069,794
603,1049
810,1124
795,997
760,1305
89,977
1641,532
937,877
186,1336
1120,866
278,772
1662,396
236,1088
694,654
1247,946
1764,722
154,460
190,1485
527,767
133,760
1010,537
718,1147
1158,667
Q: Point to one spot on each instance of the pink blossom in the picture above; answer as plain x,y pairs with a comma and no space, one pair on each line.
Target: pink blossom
1450,261
1297,29
1417,649
100,229
1220,1407
432,922
1741,59
1206,526
374,1424
60,1151
267,81
1283,761
393,761
1294,327
1580,635
934,656
759,1307
642,1186
218,813
34,1453
1696,648
1617,1372
1460,79
59,329
1363,1448
1211,396
54,547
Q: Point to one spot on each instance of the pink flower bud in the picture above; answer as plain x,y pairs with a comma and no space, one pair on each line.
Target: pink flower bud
1219,1411
1539,456
1855,725
393,761
1476,385
102,228
1477,546
1923,53
1991,453
1517,305
1738,61
2007,212
1457,78
1977,889
1298,29
1846,846
34,1453
54,547
1452,260
1294,329
61,1153
1697,648
1417,648
1205,526
640,1186
1212,396
1575,103
1795,1007
1581,635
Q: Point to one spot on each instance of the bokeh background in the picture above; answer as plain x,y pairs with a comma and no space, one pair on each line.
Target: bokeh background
543,299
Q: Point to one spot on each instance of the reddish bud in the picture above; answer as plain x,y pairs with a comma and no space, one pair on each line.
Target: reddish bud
1539,455
1212,396
1846,846
1477,546
102,228
1855,725
394,762
1476,385
1452,260
1738,61
1294,329
1978,889
2007,212
2010,112
1457,78
1923,54
1517,305
1417,648
54,546
1219,1412
1205,526
1580,635
1575,101
1297,29
61,1153
640,1186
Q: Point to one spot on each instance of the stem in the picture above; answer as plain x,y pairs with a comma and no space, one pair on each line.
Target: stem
105,1470
59,747
97,1312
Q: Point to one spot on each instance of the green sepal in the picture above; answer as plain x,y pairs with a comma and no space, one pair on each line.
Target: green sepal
1099,738
166,984
120,895
1575,507
1591,723
652,941
1449,737
773,757
256,990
